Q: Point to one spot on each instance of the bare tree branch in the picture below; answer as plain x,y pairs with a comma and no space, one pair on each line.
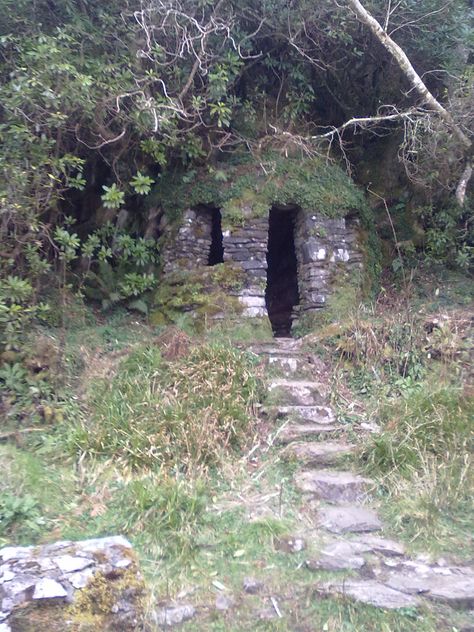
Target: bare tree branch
418,85
462,184
406,67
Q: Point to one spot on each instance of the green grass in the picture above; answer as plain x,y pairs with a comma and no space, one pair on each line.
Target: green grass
423,461
306,611
151,446
183,414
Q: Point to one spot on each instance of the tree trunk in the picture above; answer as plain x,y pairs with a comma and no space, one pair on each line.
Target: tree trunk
417,83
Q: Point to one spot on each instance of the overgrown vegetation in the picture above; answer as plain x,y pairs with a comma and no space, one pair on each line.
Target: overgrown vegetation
201,295
406,361
247,190
182,415
114,117
99,105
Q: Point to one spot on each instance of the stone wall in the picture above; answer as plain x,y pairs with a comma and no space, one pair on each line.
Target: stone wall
60,586
247,247
324,249
190,246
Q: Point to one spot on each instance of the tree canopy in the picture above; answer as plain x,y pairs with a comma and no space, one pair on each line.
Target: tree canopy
100,102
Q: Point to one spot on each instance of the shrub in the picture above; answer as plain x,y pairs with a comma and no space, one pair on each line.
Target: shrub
19,514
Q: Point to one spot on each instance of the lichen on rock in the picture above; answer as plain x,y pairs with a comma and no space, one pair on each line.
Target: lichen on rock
79,586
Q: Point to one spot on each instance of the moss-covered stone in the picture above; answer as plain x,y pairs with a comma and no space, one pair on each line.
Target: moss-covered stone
205,292
250,189
112,602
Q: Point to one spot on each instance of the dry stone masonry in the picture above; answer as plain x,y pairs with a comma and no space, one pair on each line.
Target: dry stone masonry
289,259
57,587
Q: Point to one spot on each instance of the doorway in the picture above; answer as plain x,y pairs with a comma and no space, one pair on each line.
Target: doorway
216,251
281,293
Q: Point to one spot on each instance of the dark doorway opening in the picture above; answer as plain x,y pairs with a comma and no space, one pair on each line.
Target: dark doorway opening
216,251
282,273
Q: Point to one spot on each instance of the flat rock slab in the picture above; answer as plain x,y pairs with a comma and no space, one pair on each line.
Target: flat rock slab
384,546
38,578
318,452
349,518
288,365
372,593
298,392
451,587
306,414
333,486
173,615
293,432
345,548
326,562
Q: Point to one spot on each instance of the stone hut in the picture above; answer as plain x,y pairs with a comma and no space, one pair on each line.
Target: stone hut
288,260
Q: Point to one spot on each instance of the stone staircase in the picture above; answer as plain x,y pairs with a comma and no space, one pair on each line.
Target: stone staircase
381,574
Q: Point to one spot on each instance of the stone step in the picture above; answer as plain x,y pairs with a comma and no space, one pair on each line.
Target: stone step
329,562
333,486
318,452
304,414
384,546
294,431
276,346
298,392
348,519
343,549
370,592
452,586
266,351
288,365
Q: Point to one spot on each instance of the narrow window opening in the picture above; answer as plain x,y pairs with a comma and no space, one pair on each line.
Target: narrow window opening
216,251
282,272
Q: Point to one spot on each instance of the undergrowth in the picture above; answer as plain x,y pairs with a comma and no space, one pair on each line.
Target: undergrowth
183,414
403,364
423,458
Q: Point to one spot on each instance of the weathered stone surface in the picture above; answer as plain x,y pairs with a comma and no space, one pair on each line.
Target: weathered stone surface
174,615
318,452
252,586
349,518
33,579
372,593
292,431
286,364
448,586
345,548
298,392
70,563
333,486
307,414
323,246
47,588
386,547
328,562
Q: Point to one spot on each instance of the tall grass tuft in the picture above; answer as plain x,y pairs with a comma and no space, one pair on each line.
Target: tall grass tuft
183,414
424,459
